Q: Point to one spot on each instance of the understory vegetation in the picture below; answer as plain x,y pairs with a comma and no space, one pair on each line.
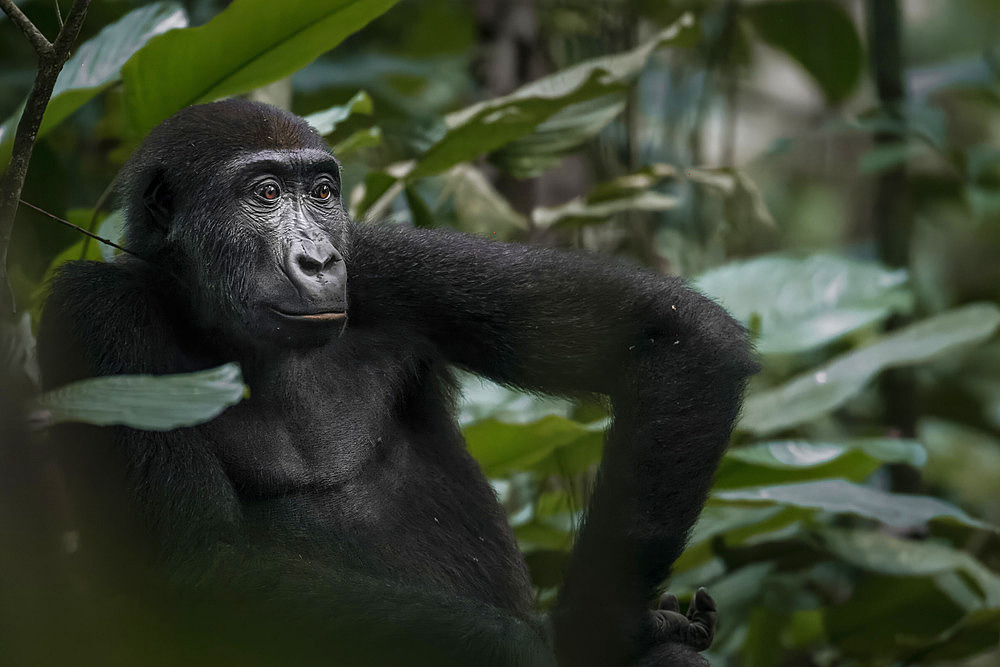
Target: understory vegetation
828,170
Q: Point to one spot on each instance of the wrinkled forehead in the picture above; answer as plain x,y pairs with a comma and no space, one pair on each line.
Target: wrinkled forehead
298,159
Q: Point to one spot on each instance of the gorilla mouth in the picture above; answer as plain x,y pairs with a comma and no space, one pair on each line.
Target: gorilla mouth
321,316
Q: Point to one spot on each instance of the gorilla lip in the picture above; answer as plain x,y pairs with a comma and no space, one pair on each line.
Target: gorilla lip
329,316
332,316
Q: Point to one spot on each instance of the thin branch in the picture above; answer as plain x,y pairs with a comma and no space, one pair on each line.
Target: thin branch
51,58
71,29
82,230
59,17
42,46
97,209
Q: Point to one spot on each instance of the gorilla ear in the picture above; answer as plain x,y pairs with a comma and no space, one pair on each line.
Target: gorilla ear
158,200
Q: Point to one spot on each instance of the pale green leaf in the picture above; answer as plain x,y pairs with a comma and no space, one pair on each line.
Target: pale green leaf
842,497
826,388
802,304
150,402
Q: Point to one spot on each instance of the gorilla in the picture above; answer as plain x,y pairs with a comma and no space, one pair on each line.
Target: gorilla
335,516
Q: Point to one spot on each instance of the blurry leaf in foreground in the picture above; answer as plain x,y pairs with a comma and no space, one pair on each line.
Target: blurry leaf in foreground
826,388
96,64
794,461
326,121
819,35
842,497
150,402
806,303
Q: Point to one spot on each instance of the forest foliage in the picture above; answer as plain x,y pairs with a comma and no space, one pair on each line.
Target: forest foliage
754,147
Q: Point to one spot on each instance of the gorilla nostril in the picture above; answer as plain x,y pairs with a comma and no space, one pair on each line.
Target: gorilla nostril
308,265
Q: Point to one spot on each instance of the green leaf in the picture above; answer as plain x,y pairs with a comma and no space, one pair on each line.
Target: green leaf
882,609
326,121
247,45
632,192
366,138
962,459
97,64
818,392
482,400
578,211
503,448
817,34
154,403
485,127
796,461
803,304
563,132
480,209
884,553
885,157
419,212
978,632
843,497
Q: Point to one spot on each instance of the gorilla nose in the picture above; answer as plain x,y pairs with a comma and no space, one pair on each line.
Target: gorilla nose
317,270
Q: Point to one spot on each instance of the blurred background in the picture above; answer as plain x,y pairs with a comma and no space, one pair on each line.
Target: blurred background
827,169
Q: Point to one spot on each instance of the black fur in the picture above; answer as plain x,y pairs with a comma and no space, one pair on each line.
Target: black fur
336,514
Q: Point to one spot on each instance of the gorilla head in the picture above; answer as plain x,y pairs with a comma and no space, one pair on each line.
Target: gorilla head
261,242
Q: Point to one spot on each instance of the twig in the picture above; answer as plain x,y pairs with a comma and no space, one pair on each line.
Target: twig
97,209
51,58
81,229
59,17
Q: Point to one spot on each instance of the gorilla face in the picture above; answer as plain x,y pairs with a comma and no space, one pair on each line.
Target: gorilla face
255,232
289,202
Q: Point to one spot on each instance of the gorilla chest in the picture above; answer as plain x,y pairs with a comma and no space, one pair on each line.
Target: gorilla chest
311,426
363,463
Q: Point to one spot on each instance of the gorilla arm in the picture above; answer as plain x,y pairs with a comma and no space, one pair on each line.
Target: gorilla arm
673,363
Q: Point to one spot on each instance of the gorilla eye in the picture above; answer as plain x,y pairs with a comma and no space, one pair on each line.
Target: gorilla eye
322,191
268,192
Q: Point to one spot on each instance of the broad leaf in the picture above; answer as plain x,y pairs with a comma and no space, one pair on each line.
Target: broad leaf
479,208
796,461
563,132
890,555
97,64
631,192
485,127
580,212
154,403
326,121
841,497
819,35
801,304
818,392
249,44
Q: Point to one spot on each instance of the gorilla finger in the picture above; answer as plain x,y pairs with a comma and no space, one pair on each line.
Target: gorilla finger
701,602
703,608
669,626
699,636
668,602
